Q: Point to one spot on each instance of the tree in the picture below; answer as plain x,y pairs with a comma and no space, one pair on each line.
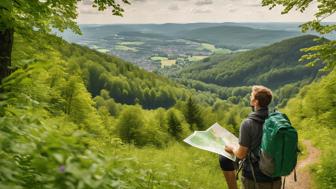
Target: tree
40,15
174,124
130,124
161,118
193,115
324,52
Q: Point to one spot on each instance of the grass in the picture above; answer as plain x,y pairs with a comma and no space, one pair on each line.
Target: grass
163,60
208,46
125,48
103,50
322,135
212,48
158,58
196,58
197,168
222,51
134,43
324,171
167,63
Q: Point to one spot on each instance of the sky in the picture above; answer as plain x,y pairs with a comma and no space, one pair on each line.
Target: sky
190,11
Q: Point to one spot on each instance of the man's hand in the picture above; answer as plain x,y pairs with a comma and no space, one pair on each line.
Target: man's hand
229,149
240,152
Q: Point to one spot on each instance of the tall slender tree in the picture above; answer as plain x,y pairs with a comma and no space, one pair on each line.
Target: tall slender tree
174,124
193,115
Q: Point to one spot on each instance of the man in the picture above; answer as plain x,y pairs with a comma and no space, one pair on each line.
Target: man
250,136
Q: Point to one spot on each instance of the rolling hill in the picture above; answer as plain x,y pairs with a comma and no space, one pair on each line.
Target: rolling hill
229,75
237,37
274,65
125,82
228,35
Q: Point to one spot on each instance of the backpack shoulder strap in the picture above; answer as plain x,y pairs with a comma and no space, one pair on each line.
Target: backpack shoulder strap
253,173
254,152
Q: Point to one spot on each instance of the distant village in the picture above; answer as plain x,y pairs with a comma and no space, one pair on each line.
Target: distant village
151,53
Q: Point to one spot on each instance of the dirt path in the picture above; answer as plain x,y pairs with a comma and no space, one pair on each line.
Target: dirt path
304,180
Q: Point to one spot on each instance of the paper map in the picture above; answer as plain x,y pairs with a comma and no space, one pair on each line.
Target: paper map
214,140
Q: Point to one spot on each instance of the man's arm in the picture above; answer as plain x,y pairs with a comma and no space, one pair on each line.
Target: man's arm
240,151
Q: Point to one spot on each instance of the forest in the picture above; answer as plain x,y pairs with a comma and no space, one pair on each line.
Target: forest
53,111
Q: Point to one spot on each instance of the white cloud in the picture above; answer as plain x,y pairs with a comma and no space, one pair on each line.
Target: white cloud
184,11
203,2
201,11
173,7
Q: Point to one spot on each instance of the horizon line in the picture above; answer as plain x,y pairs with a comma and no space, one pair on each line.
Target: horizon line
225,22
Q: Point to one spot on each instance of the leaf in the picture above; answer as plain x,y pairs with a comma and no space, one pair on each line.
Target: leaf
59,157
6,5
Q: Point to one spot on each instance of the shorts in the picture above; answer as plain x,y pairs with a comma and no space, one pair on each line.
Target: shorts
227,164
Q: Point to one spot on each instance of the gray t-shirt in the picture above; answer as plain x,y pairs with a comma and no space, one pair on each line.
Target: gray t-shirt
250,134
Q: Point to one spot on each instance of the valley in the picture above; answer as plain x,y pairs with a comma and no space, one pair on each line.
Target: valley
147,44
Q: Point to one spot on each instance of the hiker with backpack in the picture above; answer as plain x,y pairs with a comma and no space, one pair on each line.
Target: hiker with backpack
267,146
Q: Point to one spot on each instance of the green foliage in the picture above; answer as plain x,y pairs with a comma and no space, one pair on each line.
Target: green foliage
104,72
105,101
42,148
272,66
324,52
48,14
221,91
193,115
174,125
231,76
325,173
286,92
230,115
313,113
185,167
130,125
59,129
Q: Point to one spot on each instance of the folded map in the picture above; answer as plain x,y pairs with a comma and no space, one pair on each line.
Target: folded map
214,140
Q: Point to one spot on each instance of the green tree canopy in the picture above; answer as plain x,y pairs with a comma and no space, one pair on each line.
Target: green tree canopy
192,113
174,124
24,16
43,15
130,124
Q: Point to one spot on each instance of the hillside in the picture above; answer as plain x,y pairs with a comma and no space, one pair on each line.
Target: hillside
231,75
313,113
274,66
68,120
237,37
125,82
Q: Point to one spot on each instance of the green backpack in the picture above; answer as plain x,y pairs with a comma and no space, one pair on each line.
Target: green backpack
279,146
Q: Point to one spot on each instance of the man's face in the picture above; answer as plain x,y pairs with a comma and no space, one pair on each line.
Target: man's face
252,99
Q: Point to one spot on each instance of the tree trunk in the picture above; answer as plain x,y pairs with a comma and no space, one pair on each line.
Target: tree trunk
6,44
